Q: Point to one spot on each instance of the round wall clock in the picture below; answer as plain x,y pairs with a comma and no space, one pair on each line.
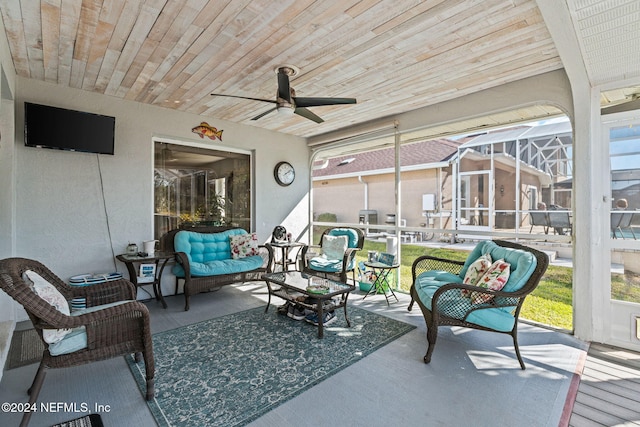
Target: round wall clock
284,173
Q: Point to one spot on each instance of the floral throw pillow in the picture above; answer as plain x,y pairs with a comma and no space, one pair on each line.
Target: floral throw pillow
334,247
50,294
495,278
243,245
475,271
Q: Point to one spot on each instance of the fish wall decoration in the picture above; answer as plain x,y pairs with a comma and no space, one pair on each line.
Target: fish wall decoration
204,129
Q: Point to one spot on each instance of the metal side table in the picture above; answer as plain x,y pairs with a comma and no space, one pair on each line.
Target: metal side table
381,283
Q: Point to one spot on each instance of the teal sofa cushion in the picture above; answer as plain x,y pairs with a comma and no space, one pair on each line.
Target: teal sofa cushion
209,254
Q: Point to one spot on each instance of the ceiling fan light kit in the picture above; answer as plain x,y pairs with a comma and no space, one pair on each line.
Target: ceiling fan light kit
285,111
287,103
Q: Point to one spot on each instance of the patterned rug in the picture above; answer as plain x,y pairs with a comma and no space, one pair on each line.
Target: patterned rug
92,420
231,370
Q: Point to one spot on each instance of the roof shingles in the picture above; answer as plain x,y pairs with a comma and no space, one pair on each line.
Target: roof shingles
419,153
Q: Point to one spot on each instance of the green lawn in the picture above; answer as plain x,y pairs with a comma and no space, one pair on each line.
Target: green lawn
549,304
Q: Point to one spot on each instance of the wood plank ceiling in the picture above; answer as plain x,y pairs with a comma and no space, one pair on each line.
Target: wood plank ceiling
392,55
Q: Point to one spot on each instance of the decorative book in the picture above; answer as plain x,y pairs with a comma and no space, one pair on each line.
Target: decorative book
386,258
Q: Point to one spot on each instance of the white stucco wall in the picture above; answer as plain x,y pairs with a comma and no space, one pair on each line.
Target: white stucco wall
8,308
62,219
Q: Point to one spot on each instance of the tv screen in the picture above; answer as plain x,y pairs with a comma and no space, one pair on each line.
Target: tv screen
58,128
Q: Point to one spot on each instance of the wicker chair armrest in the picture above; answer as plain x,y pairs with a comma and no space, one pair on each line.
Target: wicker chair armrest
452,291
62,321
306,248
349,254
106,292
114,311
183,260
269,259
426,262
303,254
125,322
498,296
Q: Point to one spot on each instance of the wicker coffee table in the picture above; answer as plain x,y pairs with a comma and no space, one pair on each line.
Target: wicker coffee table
289,285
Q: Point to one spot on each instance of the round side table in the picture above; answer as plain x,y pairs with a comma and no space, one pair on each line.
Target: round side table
381,283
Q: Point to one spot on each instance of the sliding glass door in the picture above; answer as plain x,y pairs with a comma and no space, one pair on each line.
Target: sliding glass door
623,137
196,187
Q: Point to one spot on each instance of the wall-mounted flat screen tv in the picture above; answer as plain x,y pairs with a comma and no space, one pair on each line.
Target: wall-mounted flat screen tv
58,128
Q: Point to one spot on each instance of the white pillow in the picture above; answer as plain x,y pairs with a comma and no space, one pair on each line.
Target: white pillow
334,247
244,245
50,294
475,272
494,278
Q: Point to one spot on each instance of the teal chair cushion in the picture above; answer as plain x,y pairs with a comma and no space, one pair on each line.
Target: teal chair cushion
320,263
427,284
328,265
209,254
352,236
498,319
522,263
77,338
452,304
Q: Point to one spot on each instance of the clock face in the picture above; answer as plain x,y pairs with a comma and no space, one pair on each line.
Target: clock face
284,173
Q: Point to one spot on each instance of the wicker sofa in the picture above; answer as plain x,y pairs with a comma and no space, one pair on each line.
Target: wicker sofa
205,262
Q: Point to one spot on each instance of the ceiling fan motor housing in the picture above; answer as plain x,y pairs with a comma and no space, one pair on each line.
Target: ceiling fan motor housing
286,101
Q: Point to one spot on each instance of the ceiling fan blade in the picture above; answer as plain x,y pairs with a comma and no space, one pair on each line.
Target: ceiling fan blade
265,113
284,90
316,102
307,114
271,101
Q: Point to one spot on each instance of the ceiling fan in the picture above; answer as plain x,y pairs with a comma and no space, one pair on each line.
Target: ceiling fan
288,103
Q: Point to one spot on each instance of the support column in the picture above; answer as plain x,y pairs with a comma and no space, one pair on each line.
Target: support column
591,255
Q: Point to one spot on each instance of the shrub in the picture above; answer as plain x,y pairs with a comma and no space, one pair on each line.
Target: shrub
323,217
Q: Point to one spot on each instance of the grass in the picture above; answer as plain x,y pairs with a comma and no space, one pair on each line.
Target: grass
549,304
625,287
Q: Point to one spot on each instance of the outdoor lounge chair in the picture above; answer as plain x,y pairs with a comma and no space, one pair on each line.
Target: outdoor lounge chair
540,219
560,221
444,300
621,221
334,263
113,324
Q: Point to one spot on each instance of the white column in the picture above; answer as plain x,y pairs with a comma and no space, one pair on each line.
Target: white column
592,258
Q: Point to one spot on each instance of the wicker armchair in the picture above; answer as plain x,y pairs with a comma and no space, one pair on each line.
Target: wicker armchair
443,304
116,330
335,268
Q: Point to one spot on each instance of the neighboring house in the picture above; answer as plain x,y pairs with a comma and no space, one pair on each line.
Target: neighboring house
348,185
478,180
506,173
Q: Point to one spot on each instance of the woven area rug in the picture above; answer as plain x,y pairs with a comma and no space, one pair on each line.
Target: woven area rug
26,348
91,420
231,370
